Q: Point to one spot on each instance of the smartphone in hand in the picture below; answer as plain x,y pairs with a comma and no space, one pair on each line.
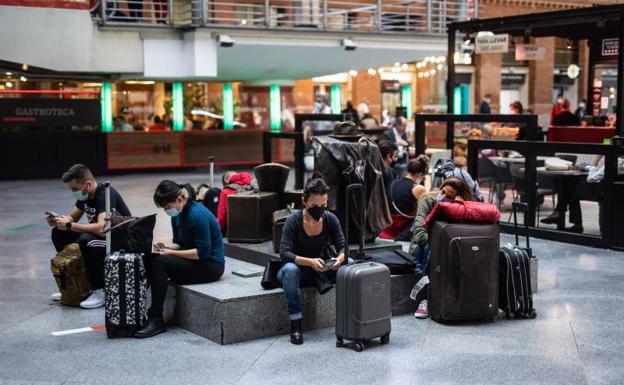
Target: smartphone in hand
330,263
51,214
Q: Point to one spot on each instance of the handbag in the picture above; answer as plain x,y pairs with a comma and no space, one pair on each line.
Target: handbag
133,234
269,277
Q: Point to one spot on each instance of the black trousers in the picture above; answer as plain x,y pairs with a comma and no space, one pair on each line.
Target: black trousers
568,197
92,248
179,270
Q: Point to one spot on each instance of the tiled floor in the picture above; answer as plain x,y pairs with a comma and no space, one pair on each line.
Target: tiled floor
578,337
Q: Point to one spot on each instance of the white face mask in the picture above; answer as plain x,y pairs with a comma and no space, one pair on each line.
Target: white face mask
79,195
172,212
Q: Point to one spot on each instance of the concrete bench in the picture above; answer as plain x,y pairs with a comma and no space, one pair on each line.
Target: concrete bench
237,309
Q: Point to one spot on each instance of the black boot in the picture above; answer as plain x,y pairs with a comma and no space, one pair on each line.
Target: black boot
155,325
296,336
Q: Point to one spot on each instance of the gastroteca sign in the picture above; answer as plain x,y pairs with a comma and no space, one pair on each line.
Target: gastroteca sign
492,43
530,52
43,112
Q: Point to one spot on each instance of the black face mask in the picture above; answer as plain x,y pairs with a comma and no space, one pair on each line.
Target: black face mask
316,212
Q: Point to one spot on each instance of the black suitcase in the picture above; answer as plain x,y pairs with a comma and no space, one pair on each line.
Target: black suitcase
515,280
463,271
291,197
125,291
363,301
250,216
209,194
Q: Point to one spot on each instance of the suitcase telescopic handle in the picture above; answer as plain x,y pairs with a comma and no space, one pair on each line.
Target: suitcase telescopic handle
351,189
211,161
108,224
525,209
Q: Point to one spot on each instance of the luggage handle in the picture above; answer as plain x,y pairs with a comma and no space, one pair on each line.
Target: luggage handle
108,223
211,160
525,208
349,191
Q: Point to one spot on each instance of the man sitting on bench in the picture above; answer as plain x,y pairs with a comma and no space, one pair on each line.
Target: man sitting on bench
90,200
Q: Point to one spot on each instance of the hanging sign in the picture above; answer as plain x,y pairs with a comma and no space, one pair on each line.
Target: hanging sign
610,47
492,43
530,52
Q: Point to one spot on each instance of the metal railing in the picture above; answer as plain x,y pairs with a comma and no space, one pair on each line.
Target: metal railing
402,16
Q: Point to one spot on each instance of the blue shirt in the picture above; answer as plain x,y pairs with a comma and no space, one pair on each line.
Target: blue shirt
197,228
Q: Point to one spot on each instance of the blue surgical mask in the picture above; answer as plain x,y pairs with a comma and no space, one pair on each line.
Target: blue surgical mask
80,195
172,212
439,197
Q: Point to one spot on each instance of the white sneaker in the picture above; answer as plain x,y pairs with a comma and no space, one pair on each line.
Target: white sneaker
56,296
423,310
95,300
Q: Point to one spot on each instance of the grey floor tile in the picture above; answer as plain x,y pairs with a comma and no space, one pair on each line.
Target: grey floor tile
496,368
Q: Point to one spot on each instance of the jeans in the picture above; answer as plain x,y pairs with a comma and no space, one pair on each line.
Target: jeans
422,254
292,277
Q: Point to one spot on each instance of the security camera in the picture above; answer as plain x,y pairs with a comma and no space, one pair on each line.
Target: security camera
225,41
348,44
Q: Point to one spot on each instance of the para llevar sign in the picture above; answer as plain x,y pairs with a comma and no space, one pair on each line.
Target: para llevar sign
530,52
492,43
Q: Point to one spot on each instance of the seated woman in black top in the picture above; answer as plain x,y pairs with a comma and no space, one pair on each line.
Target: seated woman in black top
306,232
403,195
196,255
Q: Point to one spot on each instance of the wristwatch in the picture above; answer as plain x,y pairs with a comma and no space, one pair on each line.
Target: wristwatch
68,225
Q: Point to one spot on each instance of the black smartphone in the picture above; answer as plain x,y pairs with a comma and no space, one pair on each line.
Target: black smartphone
331,263
51,214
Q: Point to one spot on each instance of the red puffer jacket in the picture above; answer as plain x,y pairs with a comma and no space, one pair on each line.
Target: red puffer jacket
463,211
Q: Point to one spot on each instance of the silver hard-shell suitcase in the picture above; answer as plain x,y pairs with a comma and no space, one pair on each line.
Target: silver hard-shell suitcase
363,301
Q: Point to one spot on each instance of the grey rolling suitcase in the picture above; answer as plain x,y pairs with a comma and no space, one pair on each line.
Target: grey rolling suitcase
463,271
363,302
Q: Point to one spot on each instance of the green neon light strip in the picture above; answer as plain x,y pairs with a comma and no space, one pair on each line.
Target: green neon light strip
275,107
335,98
106,107
406,99
177,92
228,107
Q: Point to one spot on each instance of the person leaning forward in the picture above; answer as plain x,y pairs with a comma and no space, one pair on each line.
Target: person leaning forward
90,201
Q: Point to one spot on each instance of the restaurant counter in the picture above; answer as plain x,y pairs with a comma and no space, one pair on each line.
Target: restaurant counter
46,154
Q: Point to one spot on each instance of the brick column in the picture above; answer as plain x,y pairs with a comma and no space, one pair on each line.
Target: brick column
368,88
488,79
303,95
541,81
583,62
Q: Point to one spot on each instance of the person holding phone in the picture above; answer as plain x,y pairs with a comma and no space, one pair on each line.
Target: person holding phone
90,200
305,235
195,256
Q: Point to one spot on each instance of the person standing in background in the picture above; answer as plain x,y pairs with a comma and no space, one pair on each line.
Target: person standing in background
557,108
581,110
484,107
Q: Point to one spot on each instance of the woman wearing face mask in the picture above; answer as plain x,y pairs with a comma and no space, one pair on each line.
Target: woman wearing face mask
452,189
403,199
196,255
306,233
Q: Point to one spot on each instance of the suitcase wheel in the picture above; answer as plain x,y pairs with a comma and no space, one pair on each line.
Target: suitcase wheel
533,314
358,346
339,342
385,339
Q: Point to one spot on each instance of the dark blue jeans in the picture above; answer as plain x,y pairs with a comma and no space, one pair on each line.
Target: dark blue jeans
422,254
292,277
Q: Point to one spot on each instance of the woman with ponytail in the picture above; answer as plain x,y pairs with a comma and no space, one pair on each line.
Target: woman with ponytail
195,256
306,233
